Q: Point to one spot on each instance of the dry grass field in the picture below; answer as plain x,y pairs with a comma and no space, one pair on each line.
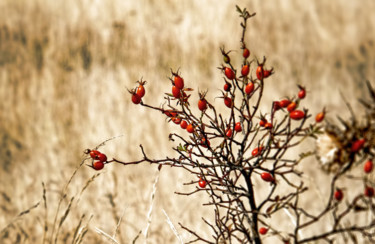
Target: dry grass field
64,69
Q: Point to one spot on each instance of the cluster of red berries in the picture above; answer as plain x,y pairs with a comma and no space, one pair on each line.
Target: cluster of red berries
178,121
99,159
291,107
264,123
178,88
138,92
369,191
262,73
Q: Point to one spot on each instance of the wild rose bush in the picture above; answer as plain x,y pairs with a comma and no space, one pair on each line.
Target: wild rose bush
229,151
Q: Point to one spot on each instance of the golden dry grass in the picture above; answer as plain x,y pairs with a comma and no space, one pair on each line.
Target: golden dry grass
64,69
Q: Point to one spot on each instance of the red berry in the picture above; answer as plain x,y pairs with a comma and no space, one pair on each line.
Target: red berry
238,127
259,72
268,125
263,122
302,93
368,166
267,177
249,88
228,132
245,70
178,82
297,115
94,154
284,103
141,91
263,230
169,113
291,106
205,143
319,117
246,53
267,73
102,157
202,104
176,120
176,92
257,151
276,105
183,124
136,99
339,195
98,165
190,128
357,145
227,86
369,191
202,183
228,102
229,73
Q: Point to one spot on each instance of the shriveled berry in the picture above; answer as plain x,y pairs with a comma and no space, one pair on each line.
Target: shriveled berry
276,105
227,86
226,59
369,191
339,195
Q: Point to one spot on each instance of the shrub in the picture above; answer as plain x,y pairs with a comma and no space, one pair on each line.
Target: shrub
230,151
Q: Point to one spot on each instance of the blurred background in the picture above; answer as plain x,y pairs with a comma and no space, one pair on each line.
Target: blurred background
65,67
